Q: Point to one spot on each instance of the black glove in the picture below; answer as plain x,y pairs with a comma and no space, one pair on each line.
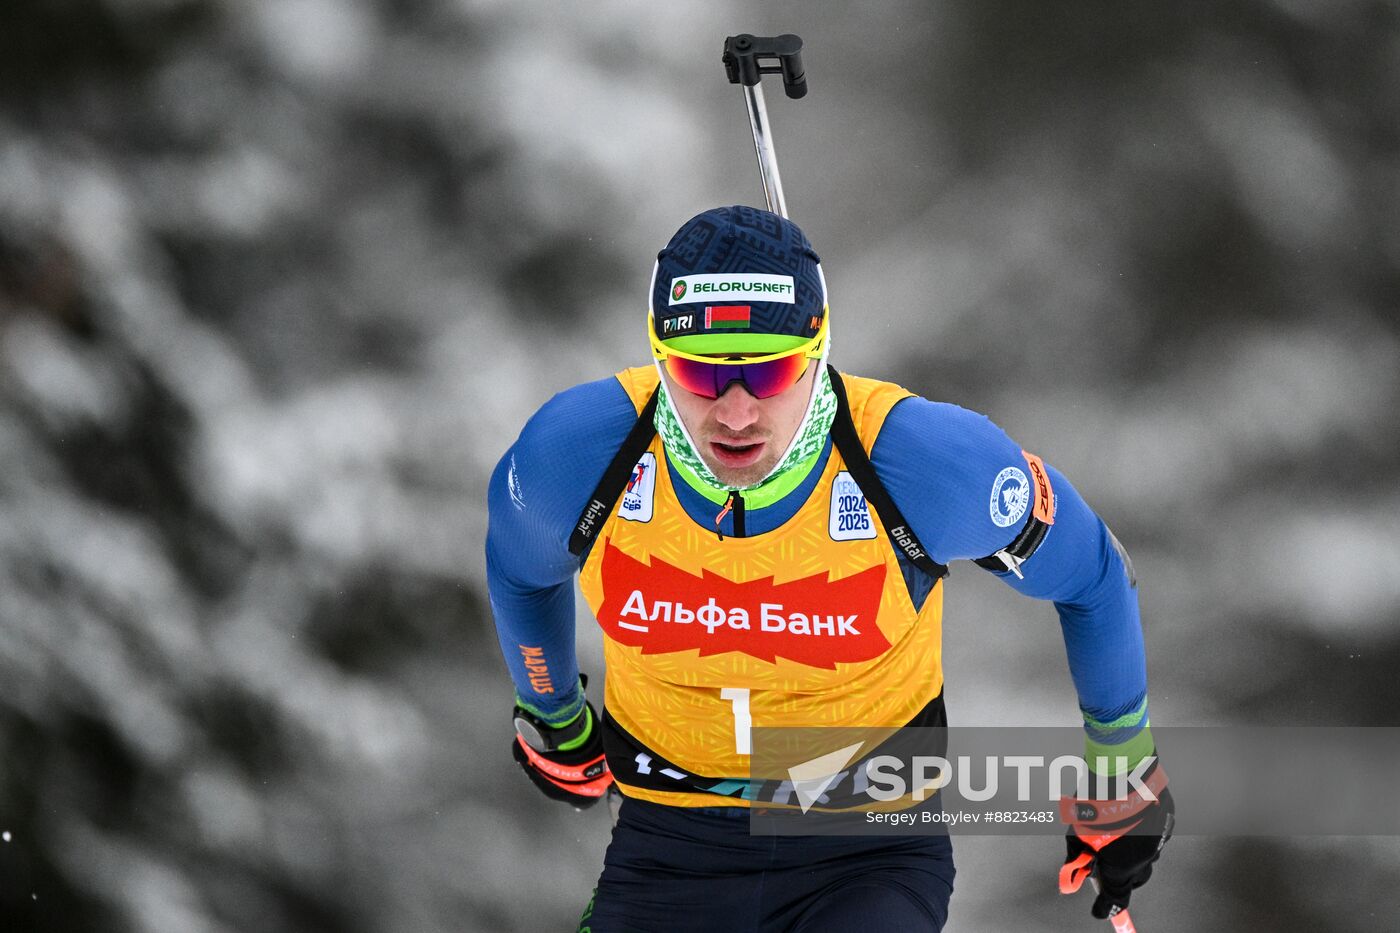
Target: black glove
565,762
1117,840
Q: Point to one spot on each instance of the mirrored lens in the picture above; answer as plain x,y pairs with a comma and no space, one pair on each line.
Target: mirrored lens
762,380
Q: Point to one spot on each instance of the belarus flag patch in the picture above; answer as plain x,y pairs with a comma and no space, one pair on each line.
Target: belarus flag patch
719,317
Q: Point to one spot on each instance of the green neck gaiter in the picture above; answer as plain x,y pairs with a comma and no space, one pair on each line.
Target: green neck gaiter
792,468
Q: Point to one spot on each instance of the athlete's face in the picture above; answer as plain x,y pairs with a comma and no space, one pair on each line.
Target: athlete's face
741,437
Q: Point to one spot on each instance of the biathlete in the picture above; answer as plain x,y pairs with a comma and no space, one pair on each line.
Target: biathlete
763,540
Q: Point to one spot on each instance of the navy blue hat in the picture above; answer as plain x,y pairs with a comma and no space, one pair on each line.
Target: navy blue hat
737,279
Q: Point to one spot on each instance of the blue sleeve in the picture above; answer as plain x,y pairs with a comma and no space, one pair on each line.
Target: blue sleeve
941,464
536,494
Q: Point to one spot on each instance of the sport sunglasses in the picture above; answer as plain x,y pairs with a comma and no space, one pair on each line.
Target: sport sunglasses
764,375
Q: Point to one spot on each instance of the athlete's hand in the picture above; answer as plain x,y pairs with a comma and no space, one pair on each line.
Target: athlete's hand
565,762
1117,840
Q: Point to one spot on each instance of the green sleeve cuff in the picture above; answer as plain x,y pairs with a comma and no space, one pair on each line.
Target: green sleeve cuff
558,718
1113,760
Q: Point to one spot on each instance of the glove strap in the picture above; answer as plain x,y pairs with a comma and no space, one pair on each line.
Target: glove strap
1102,821
587,779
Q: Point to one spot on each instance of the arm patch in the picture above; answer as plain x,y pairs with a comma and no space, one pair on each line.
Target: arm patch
1011,557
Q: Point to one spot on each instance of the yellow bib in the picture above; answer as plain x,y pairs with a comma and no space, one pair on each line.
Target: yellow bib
810,624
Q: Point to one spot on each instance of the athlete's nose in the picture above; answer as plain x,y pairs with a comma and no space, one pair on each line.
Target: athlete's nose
736,409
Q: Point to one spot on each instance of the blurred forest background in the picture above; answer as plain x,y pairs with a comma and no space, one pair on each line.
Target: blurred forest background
280,280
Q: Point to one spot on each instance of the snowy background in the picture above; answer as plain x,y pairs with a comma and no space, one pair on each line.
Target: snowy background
281,279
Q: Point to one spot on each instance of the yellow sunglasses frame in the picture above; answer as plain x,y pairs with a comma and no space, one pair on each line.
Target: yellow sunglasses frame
813,349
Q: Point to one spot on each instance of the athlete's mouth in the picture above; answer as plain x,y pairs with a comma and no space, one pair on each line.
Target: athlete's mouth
737,454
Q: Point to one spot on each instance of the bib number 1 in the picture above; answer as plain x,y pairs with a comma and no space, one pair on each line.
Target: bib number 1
738,698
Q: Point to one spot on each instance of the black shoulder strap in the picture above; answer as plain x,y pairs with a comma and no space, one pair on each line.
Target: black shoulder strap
848,444
615,478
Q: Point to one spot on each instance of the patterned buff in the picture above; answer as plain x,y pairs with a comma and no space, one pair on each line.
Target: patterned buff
806,444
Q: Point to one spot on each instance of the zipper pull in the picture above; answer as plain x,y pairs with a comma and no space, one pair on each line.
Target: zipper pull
728,504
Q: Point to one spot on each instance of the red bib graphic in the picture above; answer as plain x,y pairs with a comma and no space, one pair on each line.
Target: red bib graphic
814,621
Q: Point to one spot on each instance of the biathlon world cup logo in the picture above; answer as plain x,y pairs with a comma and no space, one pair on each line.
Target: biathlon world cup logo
678,290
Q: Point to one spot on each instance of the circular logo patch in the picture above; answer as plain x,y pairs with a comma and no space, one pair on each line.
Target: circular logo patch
678,290
1011,493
